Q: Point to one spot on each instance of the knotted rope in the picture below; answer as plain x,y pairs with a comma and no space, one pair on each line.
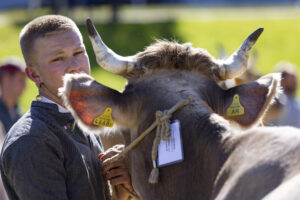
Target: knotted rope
162,127
163,131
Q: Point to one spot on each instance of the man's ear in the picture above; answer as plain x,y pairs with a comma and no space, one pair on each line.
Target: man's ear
32,73
91,103
246,104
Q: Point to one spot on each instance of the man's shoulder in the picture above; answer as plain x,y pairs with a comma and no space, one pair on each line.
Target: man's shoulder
27,124
22,142
27,149
27,128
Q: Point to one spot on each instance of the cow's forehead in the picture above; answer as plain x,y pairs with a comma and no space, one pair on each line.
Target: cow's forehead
172,56
177,77
175,85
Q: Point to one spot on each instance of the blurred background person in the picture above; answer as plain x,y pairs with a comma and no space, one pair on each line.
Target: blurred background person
12,84
290,112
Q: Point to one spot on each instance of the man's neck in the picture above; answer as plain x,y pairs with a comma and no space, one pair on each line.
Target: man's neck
51,97
61,109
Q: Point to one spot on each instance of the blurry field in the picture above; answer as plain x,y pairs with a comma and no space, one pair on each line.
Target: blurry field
207,28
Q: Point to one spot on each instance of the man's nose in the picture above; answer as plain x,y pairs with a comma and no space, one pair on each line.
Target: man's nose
74,65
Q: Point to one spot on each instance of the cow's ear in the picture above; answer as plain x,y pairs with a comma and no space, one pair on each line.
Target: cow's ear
92,104
246,104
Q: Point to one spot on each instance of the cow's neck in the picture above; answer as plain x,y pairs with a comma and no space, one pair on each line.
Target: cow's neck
216,135
215,147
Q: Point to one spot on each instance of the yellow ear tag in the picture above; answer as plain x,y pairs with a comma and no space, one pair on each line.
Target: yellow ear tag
105,119
235,108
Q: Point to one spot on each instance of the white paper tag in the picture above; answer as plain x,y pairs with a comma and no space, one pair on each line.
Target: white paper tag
171,151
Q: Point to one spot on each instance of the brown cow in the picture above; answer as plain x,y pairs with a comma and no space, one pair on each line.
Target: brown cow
220,161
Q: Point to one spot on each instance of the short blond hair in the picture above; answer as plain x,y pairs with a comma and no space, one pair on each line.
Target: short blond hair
41,27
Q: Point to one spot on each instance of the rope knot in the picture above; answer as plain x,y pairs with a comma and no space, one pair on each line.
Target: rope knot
163,131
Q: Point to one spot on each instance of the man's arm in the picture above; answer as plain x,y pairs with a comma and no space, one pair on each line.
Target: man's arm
34,169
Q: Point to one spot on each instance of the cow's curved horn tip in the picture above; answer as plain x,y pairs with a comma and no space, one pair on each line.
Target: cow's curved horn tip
254,36
88,21
90,27
260,30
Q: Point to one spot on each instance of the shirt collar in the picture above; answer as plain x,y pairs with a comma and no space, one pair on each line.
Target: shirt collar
60,108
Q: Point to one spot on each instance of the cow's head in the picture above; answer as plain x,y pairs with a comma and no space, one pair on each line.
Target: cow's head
244,104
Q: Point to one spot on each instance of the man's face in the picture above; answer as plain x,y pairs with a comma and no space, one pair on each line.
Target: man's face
58,54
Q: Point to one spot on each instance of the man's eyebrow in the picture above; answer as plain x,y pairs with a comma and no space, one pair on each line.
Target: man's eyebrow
57,52
80,47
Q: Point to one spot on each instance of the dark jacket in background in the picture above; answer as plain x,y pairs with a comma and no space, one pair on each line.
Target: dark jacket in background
6,119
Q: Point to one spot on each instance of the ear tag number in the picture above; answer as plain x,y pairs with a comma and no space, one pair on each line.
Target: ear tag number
105,119
235,109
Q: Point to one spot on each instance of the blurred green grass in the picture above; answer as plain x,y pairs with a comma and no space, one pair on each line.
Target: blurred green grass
205,28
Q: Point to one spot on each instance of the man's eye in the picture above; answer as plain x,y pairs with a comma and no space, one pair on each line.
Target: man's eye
78,53
57,59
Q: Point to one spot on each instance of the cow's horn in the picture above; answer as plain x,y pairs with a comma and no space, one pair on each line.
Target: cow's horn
236,64
106,58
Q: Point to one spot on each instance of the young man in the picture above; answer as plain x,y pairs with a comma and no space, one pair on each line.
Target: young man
45,155
12,84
